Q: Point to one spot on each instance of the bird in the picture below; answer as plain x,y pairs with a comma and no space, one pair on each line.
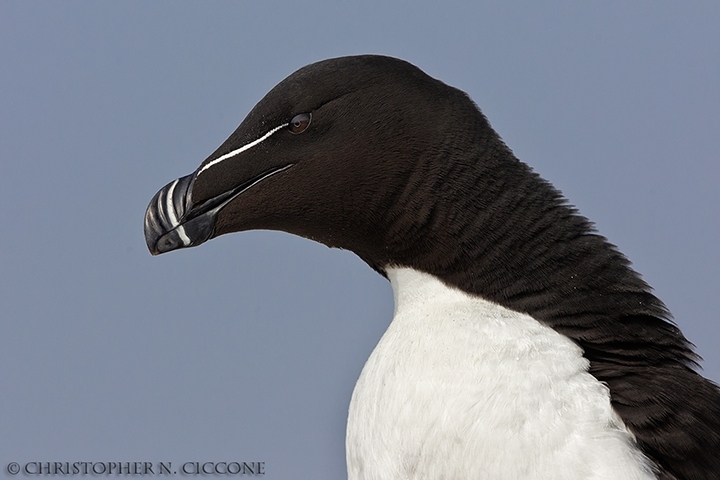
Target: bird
523,345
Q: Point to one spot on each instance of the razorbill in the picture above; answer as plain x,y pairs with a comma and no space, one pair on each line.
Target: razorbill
523,345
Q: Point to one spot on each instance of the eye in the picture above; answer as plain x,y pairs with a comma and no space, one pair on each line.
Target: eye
300,123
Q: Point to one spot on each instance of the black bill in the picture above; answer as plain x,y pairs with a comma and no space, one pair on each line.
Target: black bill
169,224
172,221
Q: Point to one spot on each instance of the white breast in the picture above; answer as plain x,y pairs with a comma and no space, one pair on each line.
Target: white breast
462,388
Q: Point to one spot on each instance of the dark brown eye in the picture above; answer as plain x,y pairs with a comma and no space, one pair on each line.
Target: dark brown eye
300,123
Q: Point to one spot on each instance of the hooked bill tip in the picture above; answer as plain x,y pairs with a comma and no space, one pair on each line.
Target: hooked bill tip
163,218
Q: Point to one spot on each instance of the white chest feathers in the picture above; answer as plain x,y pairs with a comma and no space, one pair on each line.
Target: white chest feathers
462,388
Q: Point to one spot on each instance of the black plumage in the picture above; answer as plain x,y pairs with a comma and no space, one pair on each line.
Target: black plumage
404,170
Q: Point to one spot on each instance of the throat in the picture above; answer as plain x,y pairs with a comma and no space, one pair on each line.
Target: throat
460,387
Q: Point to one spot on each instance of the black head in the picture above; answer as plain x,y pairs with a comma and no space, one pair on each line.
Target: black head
327,154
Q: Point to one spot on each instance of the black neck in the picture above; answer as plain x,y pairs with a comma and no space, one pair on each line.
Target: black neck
482,221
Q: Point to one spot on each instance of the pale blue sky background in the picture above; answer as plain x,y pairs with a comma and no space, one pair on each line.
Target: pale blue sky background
247,348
